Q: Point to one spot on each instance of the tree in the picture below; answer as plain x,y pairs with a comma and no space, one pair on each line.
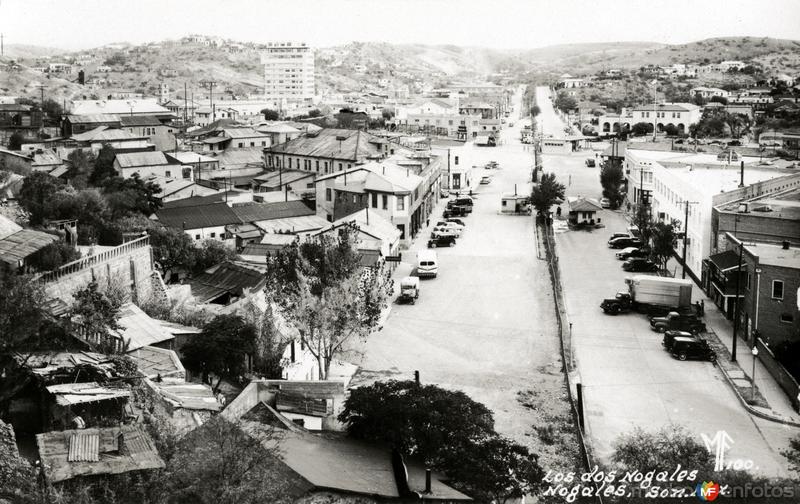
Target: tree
641,129
222,348
387,114
314,113
81,165
271,115
88,206
131,195
36,193
535,111
53,255
322,289
664,240
210,253
671,130
642,220
565,102
15,141
173,250
792,454
52,109
546,193
96,311
447,430
611,179
103,166
719,99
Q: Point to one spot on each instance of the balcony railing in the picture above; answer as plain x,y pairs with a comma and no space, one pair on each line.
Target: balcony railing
93,260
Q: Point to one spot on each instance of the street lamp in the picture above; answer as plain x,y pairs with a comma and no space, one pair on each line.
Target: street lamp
753,374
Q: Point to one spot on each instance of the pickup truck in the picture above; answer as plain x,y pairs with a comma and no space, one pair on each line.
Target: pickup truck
674,321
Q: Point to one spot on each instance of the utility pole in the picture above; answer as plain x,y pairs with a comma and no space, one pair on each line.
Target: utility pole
686,235
2,46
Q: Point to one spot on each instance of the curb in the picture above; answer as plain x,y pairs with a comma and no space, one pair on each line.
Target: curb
753,411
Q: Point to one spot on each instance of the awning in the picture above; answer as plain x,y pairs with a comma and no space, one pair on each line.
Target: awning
725,261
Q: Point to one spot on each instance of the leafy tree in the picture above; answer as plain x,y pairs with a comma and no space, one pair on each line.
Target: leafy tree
565,102
88,206
387,114
173,249
35,195
210,253
546,193
719,99
52,109
15,141
664,240
81,165
222,348
641,129
131,195
96,311
661,450
447,430
535,111
314,113
642,220
611,179
320,286
54,255
792,454
103,166
271,115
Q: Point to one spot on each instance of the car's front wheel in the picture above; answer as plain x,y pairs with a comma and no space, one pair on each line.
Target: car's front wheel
452,244
682,356
660,328
432,245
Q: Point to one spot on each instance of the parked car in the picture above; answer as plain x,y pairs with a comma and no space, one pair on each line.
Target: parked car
624,242
442,241
457,221
630,252
669,338
492,165
639,264
486,180
675,321
692,348
590,163
445,231
614,236
605,202
409,290
455,211
448,224
461,201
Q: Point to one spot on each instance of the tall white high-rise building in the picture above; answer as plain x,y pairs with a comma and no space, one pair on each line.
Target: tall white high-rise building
288,72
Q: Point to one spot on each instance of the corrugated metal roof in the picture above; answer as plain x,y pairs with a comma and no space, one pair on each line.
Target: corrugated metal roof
134,159
292,225
354,146
70,394
238,158
198,216
8,227
243,133
228,278
275,179
84,447
119,107
138,329
253,212
153,362
23,243
140,120
93,118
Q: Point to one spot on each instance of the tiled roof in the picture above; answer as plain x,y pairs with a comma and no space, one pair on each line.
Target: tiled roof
253,212
227,278
199,216
134,159
139,120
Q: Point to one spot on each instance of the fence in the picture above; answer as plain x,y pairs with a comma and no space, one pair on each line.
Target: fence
565,333
781,375
87,262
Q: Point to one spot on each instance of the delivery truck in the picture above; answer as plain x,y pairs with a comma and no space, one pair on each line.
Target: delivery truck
651,295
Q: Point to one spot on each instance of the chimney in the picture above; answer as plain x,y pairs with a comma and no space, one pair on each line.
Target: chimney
427,480
785,244
741,175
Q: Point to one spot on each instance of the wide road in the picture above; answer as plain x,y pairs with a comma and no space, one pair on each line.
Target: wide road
486,325
628,378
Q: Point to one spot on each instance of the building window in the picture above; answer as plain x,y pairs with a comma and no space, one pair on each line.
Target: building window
385,202
290,163
456,160
777,289
374,200
340,166
787,318
317,166
327,194
213,235
241,145
401,202
167,173
354,199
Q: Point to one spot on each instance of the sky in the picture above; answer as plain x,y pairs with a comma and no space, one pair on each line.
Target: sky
504,24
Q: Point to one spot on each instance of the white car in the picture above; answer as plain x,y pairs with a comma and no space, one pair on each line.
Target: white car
605,203
451,225
446,231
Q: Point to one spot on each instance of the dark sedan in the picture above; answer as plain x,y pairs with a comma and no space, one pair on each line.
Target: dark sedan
624,242
442,241
638,264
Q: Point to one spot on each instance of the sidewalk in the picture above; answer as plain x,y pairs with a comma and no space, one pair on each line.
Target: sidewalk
779,408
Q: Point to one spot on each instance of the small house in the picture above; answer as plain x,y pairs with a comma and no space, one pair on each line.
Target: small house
583,210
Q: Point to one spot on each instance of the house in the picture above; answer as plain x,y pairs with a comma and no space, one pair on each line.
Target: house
583,210
227,284
709,92
457,163
298,181
449,125
130,106
146,164
120,140
335,465
786,139
483,109
728,65
247,162
257,213
161,135
290,226
567,81
279,132
202,166
101,451
75,124
19,246
200,222
348,119
377,237
24,163
329,150
14,114
177,189
236,138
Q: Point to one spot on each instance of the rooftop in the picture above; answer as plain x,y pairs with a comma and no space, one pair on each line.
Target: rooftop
138,329
582,204
785,205
331,143
207,215
154,362
23,243
712,177
227,278
292,225
139,120
191,396
112,450
134,159
254,212
93,118
128,106
70,394
775,255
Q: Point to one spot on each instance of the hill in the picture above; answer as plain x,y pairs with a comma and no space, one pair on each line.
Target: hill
17,51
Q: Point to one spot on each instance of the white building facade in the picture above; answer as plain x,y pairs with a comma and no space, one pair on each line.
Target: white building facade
288,72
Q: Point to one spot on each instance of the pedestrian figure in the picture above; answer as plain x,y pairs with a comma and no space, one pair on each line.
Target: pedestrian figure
702,307
428,222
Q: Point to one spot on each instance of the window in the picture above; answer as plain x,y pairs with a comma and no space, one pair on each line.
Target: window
340,166
213,235
196,237
787,318
167,173
290,163
241,145
456,160
401,202
327,194
374,200
252,144
777,289
354,199
749,277
385,202
317,166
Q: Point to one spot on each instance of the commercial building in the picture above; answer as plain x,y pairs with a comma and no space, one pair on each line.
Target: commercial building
288,72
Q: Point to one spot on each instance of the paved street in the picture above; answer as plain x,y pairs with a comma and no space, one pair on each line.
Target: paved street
486,324
629,380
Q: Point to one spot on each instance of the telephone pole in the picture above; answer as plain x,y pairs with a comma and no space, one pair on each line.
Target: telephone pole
210,84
